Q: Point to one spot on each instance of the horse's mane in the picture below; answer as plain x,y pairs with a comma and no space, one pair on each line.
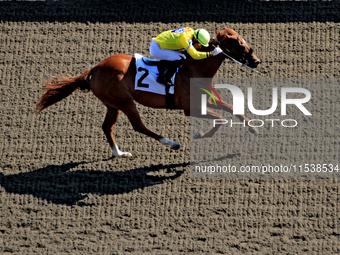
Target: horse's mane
222,34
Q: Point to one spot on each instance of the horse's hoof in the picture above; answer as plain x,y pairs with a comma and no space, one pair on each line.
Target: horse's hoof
123,155
254,130
198,135
176,146
127,154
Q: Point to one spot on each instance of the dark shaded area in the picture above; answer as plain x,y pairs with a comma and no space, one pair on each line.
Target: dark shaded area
59,185
130,11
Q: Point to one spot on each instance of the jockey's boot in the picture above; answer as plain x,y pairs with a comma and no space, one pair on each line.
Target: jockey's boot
165,76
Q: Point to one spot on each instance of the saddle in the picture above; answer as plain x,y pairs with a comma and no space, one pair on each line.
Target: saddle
163,65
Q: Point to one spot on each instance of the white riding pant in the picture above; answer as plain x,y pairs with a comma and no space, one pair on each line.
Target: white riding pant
157,52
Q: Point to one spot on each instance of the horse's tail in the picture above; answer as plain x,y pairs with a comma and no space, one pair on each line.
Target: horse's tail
61,87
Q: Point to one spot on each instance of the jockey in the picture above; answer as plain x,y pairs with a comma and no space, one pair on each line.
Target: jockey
169,45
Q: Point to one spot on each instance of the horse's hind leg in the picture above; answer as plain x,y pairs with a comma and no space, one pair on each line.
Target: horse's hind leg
210,115
108,126
131,112
229,108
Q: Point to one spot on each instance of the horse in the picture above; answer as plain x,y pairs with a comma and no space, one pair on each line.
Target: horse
112,82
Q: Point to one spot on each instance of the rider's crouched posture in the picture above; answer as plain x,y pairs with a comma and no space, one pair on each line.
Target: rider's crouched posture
169,44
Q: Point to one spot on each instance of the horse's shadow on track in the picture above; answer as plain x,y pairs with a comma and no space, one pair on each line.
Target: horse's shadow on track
59,185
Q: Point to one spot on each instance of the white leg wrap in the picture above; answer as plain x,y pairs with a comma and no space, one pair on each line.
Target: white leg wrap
166,141
173,144
118,153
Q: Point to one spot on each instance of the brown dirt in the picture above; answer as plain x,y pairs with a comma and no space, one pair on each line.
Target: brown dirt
62,192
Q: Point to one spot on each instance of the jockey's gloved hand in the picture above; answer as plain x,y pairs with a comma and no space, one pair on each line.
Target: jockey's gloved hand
216,51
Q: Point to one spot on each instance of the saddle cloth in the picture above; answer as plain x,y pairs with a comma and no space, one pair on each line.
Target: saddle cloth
146,76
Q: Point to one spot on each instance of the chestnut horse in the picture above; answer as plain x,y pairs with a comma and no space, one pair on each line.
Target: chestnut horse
113,79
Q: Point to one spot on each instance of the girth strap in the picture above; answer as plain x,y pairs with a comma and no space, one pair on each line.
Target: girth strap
169,98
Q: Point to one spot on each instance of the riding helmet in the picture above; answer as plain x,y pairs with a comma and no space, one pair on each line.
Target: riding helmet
202,36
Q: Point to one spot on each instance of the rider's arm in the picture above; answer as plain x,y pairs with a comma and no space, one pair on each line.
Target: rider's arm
191,50
198,54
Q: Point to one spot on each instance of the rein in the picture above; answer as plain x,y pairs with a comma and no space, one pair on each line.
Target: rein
228,51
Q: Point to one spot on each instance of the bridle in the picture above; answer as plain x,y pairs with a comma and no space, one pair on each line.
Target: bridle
224,50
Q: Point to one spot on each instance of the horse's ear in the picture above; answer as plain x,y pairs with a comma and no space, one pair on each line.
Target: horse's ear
229,31
220,34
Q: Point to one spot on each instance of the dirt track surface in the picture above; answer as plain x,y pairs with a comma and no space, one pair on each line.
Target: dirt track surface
62,192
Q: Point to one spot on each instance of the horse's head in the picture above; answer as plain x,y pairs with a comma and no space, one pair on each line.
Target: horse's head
237,47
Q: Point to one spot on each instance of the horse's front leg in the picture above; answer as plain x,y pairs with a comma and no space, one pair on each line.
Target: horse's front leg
131,112
210,115
229,108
